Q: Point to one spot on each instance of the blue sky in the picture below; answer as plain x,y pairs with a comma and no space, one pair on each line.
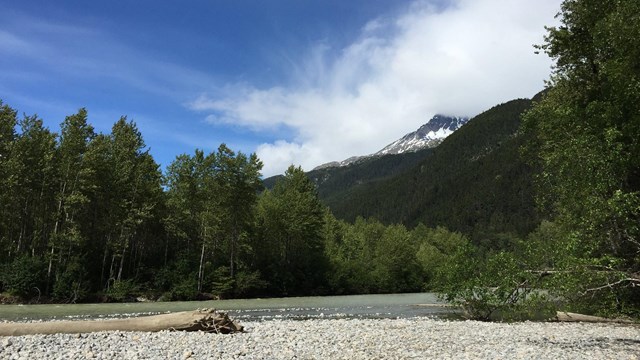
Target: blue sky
297,81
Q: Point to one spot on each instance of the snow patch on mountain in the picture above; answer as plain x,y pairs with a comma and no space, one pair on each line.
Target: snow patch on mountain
428,135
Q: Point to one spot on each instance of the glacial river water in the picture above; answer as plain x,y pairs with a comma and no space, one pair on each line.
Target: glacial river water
351,306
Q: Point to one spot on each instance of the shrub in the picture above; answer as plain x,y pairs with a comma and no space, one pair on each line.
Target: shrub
123,290
24,277
498,288
71,284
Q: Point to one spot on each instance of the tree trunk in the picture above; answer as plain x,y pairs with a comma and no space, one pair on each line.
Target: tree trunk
166,249
49,268
111,276
201,269
124,249
55,232
23,229
200,320
232,246
203,236
104,261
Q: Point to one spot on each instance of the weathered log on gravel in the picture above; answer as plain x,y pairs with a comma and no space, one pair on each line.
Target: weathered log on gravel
573,317
207,320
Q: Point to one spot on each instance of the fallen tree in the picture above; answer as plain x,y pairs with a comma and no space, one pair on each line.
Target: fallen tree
207,320
564,316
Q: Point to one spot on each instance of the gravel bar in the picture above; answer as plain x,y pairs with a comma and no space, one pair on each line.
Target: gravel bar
415,338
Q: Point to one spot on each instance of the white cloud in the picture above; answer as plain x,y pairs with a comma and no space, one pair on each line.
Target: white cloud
400,72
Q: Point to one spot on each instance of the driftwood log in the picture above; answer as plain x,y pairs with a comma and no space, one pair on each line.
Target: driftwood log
573,317
207,320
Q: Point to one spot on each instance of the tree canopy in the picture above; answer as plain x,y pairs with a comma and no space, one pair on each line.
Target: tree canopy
585,139
88,216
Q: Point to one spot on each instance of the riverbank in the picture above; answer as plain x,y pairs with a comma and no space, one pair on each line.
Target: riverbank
413,338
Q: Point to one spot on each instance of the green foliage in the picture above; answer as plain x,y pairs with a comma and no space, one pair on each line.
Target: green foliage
248,283
369,257
500,287
581,137
194,217
23,276
437,248
123,290
135,193
352,255
584,136
185,289
94,214
221,282
239,181
177,280
290,223
8,122
32,192
71,285
396,268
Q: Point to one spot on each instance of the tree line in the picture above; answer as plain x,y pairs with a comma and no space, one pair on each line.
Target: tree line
86,216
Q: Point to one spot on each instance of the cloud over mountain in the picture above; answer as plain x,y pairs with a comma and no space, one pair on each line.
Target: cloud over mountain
458,60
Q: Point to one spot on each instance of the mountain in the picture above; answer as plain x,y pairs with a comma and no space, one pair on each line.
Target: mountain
428,135
345,162
333,180
474,182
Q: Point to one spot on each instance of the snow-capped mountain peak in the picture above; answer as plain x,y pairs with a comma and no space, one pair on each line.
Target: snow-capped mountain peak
428,135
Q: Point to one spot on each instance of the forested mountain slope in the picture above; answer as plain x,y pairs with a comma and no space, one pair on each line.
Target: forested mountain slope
338,176
333,181
474,182
336,180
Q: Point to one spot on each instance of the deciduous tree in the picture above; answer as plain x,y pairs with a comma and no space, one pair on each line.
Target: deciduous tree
586,139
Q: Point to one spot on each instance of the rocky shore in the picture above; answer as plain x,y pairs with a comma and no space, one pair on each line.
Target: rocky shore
415,338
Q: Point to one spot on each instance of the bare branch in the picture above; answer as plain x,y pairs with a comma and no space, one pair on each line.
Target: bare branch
632,282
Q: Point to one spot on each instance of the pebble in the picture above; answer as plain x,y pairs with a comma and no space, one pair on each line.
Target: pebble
414,338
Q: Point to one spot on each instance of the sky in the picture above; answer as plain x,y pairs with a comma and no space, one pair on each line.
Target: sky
300,82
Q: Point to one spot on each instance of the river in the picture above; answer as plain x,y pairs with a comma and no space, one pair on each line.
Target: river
350,306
